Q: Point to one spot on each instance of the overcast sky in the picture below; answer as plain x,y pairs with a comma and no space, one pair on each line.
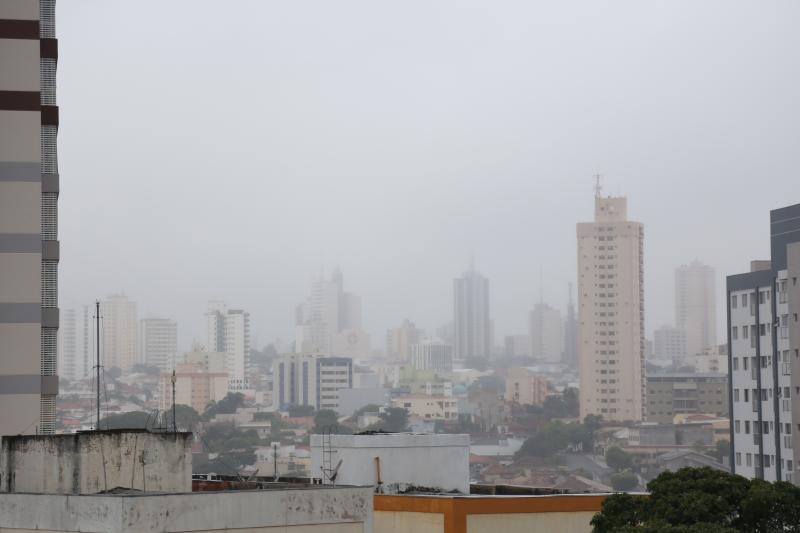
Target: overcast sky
229,149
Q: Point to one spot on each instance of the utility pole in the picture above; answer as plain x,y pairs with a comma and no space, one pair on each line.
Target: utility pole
97,327
274,462
174,420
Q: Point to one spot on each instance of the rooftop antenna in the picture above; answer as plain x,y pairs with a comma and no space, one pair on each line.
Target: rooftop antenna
598,187
97,367
174,420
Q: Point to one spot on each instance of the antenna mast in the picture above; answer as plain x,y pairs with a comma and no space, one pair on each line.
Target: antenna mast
598,187
97,327
174,420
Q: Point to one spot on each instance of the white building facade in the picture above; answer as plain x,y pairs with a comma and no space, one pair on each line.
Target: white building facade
472,322
158,342
764,356
228,331
696,306
313,380
546,329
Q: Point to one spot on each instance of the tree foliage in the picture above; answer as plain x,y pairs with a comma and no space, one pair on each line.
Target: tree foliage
618,459
226,406
393,420
301,410
327,420
556,437
702,499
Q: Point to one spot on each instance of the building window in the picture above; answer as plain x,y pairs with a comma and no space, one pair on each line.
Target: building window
734,301
736,395
745,333
738,458
738,426
735,332
744,300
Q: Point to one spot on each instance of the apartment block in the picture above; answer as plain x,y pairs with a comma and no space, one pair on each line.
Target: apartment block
29,187
526,387
228,331
158,342
764,356
313,380
432,354
683,393
611,313
472,322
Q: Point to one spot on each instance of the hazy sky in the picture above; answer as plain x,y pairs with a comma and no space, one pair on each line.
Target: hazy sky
228,149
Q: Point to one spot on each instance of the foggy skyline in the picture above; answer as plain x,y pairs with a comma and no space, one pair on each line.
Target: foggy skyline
208,152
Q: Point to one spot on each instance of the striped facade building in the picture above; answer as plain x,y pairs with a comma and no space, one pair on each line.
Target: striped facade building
29,186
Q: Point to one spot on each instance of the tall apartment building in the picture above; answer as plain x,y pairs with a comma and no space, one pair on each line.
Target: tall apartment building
570,354
611,313
119,333
329,321
546,330
229,332
669,345
69,362
696,306
158,342
472,323
200,378
313,380
399,341
764,356
29,249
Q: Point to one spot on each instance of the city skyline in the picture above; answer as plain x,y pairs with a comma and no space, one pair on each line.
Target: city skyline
397,160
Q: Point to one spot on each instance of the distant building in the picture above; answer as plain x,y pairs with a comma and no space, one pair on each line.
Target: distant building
517,346
119,333
329,321
399,341
69,363
764,342
228,331
432,354
570,354
201,379
669,345
546,333
611,313
313,380
472,322
673,394
696,306
158,342
526,387
429,407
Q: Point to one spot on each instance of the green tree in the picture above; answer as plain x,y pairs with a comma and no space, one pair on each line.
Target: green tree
226,406
617,459
571,402
393,420
327,420
187,418
129,420
369,408
771,507
624,481
593,422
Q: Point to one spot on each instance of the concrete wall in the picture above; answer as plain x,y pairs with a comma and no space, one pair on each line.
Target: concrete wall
435,461
88,463
312,510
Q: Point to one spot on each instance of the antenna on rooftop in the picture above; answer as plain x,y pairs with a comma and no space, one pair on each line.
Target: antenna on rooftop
598,186
97,367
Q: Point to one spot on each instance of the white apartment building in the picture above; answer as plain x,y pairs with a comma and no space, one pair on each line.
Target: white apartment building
696,306
611,313
432,354
158,342
399,341
69,363
313,380
669,345
228,331
546,330
764,356
119,333
329,321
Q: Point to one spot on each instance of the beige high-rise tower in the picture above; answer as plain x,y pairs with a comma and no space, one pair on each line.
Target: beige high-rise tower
611,312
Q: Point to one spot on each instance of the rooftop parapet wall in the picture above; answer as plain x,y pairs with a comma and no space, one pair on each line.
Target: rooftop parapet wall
93,462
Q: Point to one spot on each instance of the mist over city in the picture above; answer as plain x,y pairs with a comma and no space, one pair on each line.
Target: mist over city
380,267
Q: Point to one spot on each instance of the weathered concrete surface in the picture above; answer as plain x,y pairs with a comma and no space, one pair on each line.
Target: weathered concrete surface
345,509
92,462
432,461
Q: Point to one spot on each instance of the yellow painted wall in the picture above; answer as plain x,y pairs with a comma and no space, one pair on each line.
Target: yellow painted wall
408,522
572,522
